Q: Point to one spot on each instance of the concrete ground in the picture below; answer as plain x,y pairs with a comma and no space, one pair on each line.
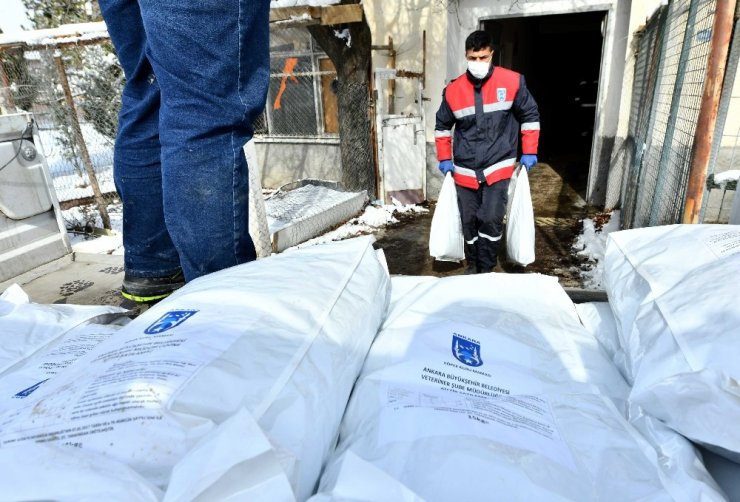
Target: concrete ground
80,279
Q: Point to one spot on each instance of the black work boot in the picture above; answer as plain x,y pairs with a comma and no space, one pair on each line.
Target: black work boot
471,269
151,289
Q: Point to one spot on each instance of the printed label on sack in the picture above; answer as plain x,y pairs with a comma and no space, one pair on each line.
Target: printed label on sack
724,243
521,421
116,397
25,382
461,379
464,358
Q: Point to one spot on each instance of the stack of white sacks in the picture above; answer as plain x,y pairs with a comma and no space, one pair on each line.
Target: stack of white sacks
231,389
478,387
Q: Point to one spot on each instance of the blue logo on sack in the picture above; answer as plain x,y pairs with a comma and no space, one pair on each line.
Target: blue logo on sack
466,351
169,320
27,392
501,94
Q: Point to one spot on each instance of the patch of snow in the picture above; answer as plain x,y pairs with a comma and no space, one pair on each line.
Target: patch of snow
724,177
402,208
374,218
591,244
80,222
66,33
82,219
344,35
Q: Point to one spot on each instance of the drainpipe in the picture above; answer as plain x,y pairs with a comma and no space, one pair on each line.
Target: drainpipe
704,136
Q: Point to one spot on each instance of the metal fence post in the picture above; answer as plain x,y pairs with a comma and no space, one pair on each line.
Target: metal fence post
721,35
59,63
648,114
726,103
673,113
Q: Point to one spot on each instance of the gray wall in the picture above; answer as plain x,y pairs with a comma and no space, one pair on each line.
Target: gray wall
285,161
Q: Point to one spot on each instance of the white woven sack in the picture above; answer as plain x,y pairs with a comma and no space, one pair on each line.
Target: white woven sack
674,291
26,327
446,241
42,471
20,382
468,391
520,221
269,350
258,227
598,319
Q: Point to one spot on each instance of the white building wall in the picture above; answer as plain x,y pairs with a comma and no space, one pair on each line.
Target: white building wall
448,22
405,21
469,13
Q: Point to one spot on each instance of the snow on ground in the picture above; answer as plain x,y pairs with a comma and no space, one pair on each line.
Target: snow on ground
724,177
80,222
375,217
591,244
68,183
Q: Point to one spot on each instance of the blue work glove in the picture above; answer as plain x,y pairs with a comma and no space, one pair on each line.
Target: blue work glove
528,161
446,166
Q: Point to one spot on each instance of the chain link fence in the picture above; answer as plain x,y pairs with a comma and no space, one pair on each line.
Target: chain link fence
74,94
670,69
74,91
302,97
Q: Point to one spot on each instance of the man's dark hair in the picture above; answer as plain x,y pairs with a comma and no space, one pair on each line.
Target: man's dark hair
477,41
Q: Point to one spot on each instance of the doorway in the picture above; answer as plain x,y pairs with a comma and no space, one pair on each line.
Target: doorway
560,57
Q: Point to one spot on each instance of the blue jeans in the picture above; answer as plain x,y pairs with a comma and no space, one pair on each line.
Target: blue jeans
196,79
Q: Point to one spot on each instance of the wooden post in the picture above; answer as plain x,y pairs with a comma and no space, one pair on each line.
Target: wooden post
391,81
80,140
704,136
5,81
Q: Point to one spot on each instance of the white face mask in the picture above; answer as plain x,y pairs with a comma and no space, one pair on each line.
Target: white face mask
479,69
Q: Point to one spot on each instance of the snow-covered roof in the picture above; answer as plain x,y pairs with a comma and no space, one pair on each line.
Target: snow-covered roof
63,35
81,33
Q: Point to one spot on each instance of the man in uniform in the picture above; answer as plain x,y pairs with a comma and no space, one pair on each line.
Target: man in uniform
489,107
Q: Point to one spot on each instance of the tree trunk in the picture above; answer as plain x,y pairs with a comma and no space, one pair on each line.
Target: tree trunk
352,62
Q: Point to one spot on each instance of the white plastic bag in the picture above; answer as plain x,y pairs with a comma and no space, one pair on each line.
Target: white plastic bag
674,291
446,241
468,391
282,338
520,220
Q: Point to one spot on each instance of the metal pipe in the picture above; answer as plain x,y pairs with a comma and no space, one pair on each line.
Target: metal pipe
704,136
80,140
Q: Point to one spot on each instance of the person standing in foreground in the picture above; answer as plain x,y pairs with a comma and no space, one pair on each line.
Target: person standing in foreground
196,78
489,106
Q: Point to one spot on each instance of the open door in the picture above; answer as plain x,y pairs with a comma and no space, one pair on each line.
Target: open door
401,145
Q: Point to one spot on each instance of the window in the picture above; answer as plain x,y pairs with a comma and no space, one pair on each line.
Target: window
301,99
